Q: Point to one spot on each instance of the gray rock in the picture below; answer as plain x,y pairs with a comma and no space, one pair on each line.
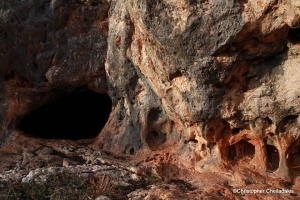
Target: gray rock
102,198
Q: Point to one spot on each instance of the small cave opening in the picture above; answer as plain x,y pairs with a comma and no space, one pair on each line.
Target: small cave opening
235,131
242,150
154,139
294,35
174,75
131,151
294,158
273,158
79,115
268,120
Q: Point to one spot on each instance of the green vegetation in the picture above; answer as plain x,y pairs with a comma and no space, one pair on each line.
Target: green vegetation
151,179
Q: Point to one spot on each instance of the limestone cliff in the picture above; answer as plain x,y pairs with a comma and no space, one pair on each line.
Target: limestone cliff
207,82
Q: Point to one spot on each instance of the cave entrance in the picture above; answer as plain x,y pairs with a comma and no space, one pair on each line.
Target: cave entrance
80,115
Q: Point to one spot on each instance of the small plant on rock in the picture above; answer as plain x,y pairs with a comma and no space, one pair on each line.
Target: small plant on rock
151,179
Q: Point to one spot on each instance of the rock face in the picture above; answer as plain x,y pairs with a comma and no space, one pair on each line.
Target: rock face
208,83
49,48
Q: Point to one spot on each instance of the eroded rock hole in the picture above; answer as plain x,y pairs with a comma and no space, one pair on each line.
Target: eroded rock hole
131,151
241,150
154,139
294,158
235,131
175,75
286,122
268,120
191,141
79,115
273,157
154,114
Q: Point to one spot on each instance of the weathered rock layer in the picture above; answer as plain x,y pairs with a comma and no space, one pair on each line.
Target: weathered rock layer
207,82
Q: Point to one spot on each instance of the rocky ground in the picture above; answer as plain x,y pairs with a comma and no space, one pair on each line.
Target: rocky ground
25,160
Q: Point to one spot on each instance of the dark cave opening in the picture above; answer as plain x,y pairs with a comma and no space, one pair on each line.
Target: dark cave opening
294,158
294,35
273,158
80,115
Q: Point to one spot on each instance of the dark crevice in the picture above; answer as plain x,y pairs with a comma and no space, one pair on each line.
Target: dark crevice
203,147
268,120
154,114
231,152
191,140
80,115
235,131
294,157
131,151
175,75
273,157
271,134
